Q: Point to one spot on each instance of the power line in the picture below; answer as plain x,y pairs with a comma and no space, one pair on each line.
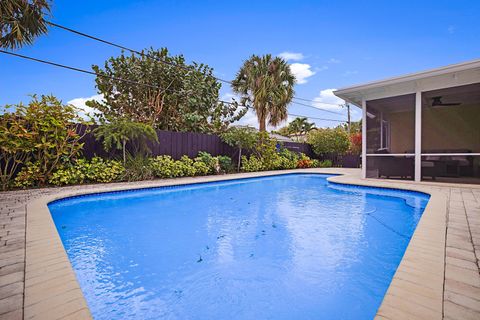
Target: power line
131,81
309,100
317,108
141,53
128,49
316,101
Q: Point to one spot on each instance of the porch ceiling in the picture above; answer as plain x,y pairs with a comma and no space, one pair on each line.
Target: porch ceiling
449,76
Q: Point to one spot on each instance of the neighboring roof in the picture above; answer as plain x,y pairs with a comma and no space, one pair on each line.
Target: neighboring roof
347,92
273,135
280,137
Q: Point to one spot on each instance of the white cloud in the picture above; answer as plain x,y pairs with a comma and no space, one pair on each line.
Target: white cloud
301,71
327,100
249,119
86,111
295,56
333,60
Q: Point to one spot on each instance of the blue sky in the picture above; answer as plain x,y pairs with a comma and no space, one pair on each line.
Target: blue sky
335,43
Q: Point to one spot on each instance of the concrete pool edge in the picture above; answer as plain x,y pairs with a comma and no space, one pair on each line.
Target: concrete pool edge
52,290
416,289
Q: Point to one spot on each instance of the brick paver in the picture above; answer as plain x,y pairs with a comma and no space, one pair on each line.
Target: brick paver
461,286
462,274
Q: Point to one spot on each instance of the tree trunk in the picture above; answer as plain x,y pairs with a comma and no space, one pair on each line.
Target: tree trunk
239,158
124,142
262,124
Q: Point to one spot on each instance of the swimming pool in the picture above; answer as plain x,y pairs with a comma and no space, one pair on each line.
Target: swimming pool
280,247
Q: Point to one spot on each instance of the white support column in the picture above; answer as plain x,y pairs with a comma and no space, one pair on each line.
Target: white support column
418,136
364,138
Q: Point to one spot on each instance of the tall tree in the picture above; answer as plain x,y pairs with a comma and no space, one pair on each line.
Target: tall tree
21,21
266,84
172,96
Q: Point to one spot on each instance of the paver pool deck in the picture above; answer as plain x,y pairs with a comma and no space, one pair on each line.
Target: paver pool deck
438,277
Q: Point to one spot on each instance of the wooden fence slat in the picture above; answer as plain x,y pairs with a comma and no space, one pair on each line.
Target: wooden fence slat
177,144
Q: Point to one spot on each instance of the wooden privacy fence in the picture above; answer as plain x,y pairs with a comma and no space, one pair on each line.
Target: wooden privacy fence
177,144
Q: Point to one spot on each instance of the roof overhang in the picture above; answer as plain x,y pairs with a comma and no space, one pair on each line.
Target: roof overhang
439,78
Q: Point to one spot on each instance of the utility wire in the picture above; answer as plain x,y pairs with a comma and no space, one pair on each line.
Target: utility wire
316,101
127,49
147,55
317,108
134,82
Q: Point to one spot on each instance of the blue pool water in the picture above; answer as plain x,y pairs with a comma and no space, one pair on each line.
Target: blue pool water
282,247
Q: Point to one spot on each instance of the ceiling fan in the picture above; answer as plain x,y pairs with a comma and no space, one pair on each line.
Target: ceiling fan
437,102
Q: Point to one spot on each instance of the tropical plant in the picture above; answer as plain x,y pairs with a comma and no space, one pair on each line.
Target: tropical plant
16,145
328,140
265,84
31,175
283,131
240,138
356,142
305,163
21,21
138,167
355,127
54,129
175,96
266,150
116,135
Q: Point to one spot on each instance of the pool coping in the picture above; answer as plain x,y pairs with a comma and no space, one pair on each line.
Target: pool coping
416,290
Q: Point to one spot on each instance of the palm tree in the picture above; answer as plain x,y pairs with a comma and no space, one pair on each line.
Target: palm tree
21,21
266,84
300,126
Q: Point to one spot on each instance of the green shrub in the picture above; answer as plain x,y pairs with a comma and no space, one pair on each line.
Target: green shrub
75,172
16,145
326,164
164,167
69,174
186,166
201,169
322,164
252,164
315,163
54,126
328,140
208,159
225,163
102,170
288,159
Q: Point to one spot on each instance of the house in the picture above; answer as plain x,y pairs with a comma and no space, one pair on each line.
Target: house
421,126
